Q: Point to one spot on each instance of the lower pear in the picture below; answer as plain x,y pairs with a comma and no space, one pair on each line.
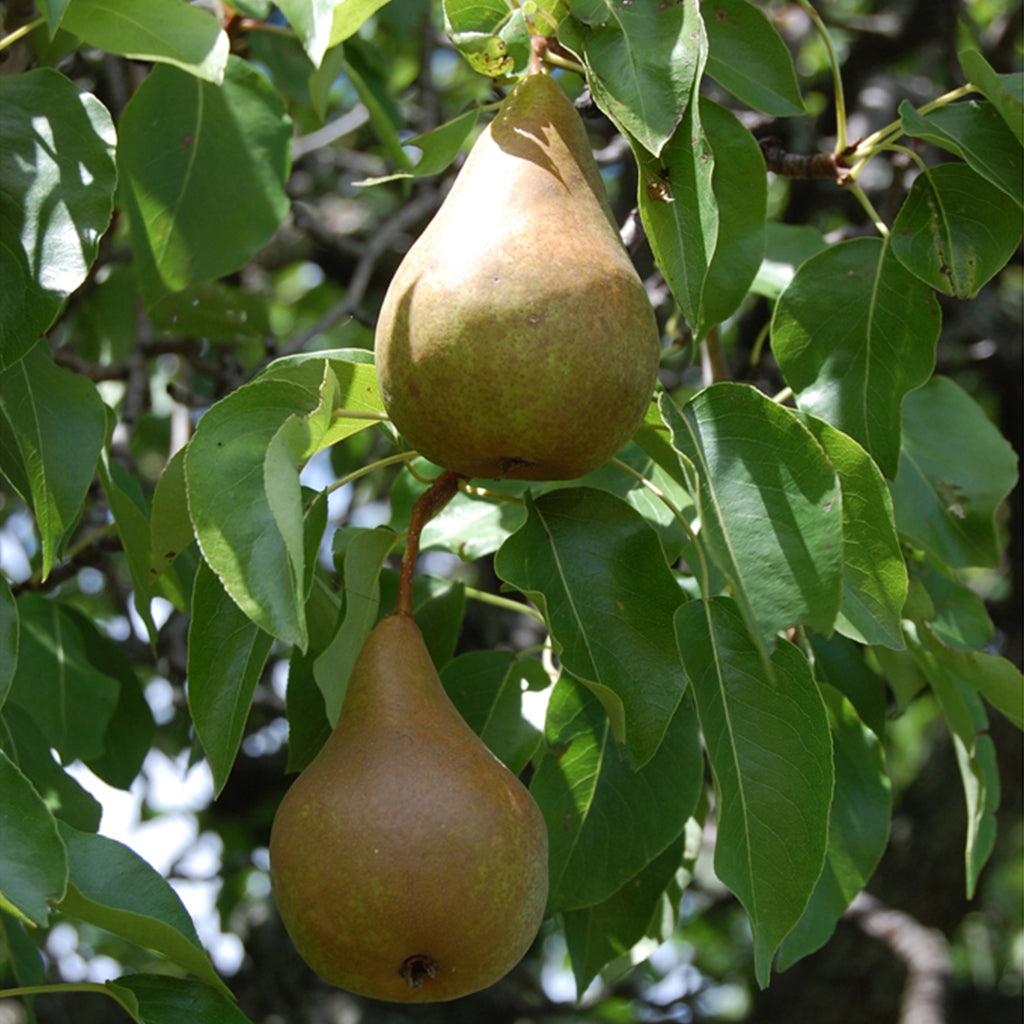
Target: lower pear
408,864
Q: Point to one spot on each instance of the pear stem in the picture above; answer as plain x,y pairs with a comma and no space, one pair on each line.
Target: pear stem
428,504
538,49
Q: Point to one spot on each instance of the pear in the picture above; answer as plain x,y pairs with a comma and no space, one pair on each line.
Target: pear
407,862
516,339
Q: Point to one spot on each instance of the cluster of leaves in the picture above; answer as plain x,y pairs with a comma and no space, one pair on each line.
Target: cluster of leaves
752,575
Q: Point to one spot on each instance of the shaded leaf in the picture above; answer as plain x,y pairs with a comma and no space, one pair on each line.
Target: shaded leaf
642,64
606,821
438,148
235,140
955,230
158,999
69,700
955,470
853,332
769,503
57,178
170,529
487,688
226,655
858,828
364,557
874,573
975,132
596,935
840,663
957,615
597,570
33,861
131,519
64,796
1005,91
166,31
58,424
771,754
9,631
112,887
748,57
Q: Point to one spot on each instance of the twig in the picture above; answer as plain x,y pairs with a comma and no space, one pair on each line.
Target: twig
924,952
503,602
410,214
712,358
427,505
19,33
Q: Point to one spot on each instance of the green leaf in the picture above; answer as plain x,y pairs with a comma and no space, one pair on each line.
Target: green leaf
579,555
112,887
957,615
58,423
975,132
769,503
308,727
438,147
999,681
1005,91
853,333
62,794
748,57
70,701
364,558
57,142
771,754
9,631
233,139
166,31
874,573
858,828
131,519
129,732
33,861
53,11
740,186
596,935
22,958
975,754
373,90
487,688
158,999
955,470
245,501
703,209
312,21
170,529
787,246
606,821
226,655
955,231
439,616
214,311
492,34
840,663
642,65
349,16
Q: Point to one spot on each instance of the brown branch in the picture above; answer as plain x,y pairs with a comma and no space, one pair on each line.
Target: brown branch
411,213
427,505
924,952
801,165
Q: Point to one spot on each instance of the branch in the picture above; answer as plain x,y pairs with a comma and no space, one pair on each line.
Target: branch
924,952
427,505
410,214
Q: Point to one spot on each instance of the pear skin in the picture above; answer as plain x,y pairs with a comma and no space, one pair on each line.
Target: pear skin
407,862
516,339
